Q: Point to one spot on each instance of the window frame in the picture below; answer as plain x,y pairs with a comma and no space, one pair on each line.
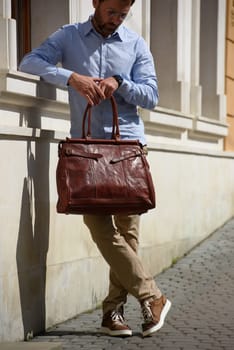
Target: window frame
21,12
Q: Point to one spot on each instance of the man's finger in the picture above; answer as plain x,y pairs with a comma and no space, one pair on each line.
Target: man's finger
99,92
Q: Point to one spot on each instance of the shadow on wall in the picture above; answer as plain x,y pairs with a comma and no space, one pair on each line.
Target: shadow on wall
33,239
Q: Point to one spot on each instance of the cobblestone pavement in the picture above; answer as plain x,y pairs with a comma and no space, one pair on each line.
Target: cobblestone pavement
201,289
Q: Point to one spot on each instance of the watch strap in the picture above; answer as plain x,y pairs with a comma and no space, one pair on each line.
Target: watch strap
118,78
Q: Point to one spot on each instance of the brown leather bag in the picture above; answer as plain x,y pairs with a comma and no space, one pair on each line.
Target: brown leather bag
103,176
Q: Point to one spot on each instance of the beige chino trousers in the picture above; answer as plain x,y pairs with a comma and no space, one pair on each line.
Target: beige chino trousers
117,239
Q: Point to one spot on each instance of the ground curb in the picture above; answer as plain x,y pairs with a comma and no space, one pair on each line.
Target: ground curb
30,346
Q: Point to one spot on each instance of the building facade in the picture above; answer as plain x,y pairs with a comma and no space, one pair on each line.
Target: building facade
50,270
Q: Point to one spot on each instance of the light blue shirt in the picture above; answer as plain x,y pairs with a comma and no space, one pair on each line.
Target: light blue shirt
79,48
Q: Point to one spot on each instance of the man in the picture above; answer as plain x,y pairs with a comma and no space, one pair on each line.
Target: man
99,58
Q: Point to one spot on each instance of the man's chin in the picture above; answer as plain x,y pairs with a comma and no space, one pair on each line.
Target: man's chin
109,30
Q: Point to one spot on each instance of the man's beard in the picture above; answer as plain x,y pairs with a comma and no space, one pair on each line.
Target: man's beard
107,28
104,29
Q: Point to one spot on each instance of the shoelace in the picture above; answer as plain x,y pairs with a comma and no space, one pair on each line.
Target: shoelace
116,316
146,312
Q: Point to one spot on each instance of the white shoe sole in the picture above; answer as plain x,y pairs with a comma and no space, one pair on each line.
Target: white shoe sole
122,333
159,325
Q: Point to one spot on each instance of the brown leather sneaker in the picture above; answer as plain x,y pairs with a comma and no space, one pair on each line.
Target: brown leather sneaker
113,324
154,313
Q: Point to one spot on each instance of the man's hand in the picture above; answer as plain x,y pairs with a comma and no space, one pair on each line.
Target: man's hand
108,86
88,87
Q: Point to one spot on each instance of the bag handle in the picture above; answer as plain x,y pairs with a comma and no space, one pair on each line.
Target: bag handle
115,121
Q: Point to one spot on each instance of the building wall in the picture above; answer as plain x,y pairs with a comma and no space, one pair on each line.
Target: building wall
50,270
42,23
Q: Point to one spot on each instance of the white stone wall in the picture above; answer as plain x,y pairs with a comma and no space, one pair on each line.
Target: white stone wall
50,270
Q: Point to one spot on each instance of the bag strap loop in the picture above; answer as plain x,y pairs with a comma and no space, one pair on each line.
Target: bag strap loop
115,122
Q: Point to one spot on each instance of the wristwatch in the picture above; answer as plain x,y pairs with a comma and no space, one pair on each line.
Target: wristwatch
118,78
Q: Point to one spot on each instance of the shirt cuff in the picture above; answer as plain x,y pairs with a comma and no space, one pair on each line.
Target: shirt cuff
63,76
124,87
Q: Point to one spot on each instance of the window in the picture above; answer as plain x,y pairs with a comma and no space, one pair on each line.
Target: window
21,12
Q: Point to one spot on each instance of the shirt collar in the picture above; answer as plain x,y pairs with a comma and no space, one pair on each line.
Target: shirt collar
88,27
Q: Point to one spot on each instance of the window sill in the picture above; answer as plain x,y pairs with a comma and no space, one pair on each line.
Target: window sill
173,127
20,89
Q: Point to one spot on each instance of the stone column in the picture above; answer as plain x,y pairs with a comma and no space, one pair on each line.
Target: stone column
8,46
196,91
74,9
163,42
212,58
80,10
184,20
146,12
221,46
171,33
